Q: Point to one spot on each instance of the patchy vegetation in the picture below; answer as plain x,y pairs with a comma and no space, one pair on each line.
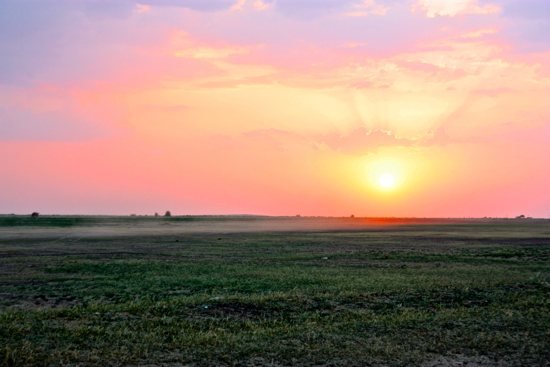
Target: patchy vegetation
71,221
446,294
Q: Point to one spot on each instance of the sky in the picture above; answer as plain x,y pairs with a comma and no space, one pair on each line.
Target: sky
279,107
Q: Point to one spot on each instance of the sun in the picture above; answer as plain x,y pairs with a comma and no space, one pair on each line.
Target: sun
387,180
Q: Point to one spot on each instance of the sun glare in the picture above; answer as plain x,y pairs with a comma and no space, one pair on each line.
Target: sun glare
387,180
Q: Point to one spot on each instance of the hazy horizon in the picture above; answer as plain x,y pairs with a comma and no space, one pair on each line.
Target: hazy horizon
519,216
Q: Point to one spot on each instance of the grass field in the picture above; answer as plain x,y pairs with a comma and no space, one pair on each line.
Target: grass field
97,291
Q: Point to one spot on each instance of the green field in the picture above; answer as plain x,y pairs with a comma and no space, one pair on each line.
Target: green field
217,291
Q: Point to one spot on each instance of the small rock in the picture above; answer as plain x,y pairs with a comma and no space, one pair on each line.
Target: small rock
216,299
324,258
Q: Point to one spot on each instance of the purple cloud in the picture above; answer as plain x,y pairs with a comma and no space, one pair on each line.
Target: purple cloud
19,123
65,41
527,9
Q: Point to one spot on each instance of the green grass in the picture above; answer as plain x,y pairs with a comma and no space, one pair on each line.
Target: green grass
395,295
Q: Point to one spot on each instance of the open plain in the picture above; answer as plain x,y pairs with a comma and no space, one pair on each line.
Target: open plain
273,291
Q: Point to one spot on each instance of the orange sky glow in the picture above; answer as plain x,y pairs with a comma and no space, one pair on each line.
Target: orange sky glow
276,108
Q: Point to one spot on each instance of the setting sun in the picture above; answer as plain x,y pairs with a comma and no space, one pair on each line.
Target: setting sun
387,180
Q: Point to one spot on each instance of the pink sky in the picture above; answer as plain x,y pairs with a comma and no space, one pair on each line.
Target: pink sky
275,107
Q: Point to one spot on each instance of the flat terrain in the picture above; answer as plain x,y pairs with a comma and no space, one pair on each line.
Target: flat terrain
259,291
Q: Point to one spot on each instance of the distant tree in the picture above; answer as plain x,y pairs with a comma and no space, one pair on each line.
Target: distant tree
352,216
168,214
34,215
156,214
520,216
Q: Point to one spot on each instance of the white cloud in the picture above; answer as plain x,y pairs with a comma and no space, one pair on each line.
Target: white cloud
454,7
143,8
365,8
205,52
238,6
354,44
481,32
258,5
186,47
